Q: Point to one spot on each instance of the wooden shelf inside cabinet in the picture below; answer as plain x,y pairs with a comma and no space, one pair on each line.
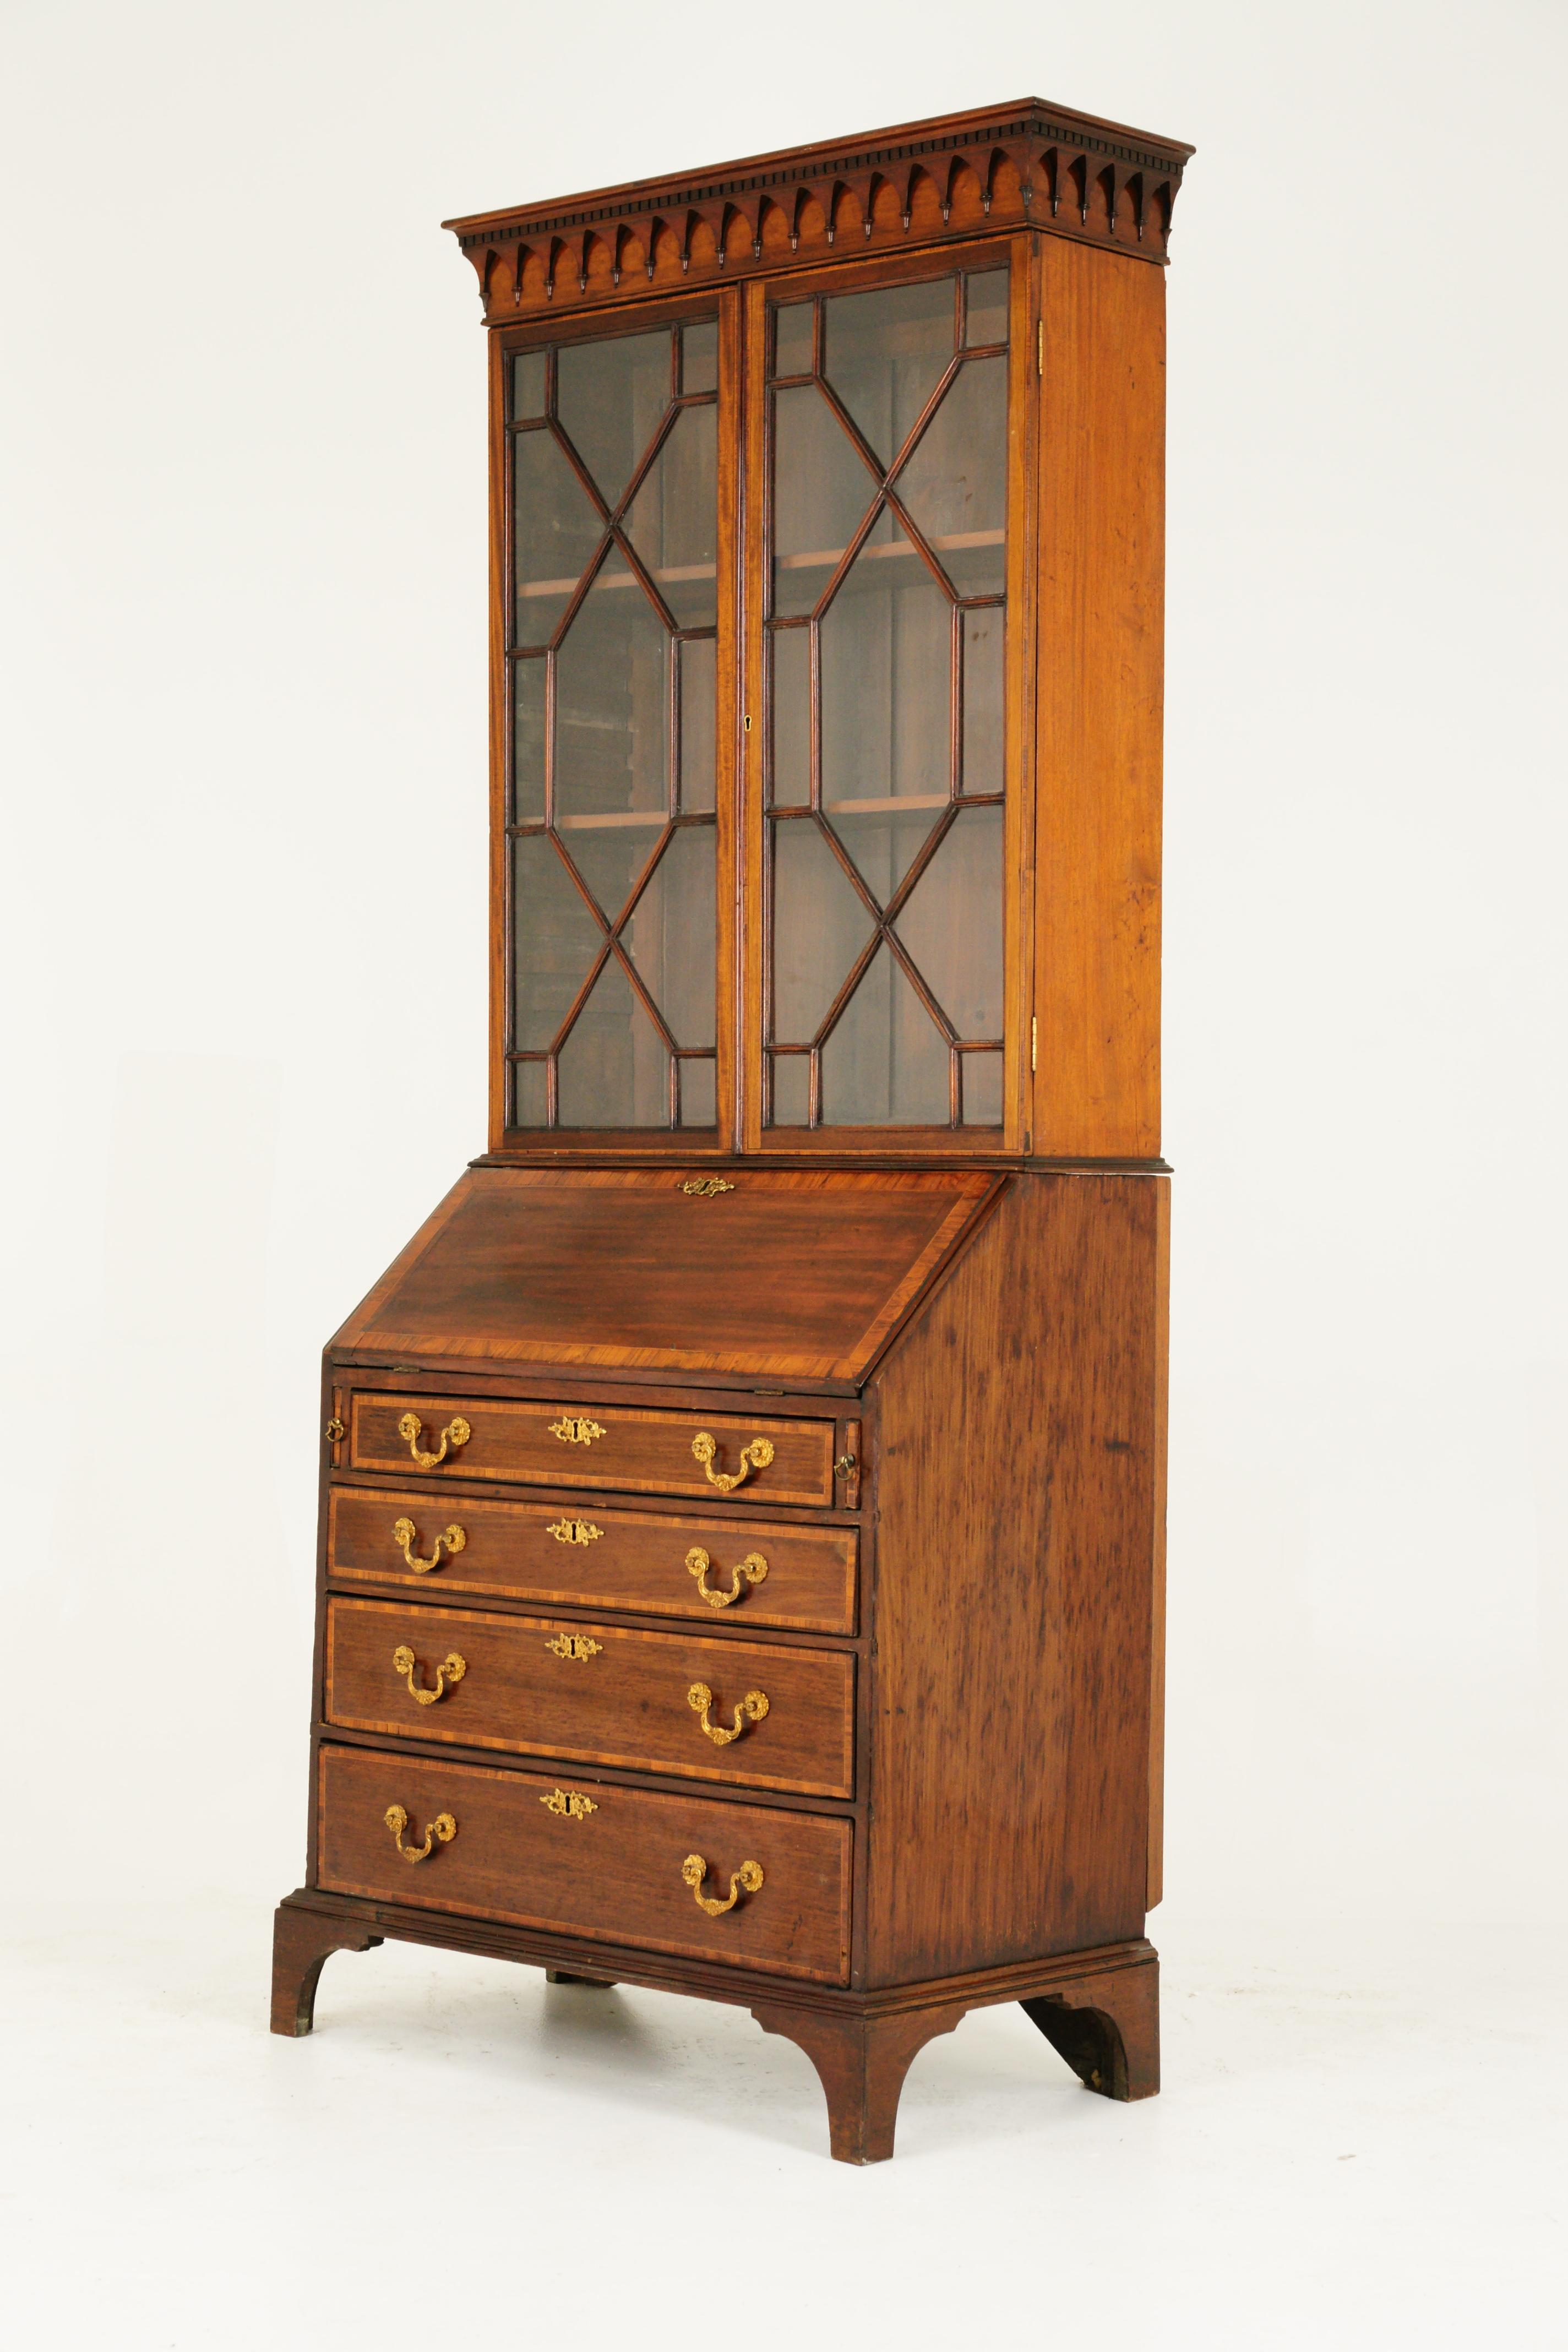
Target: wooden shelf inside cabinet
776,1412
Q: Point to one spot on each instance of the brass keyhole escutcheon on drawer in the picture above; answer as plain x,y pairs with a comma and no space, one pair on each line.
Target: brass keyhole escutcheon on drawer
575,1645
569,1804
694,1870
448,1674
750,1571
577,1429
455,1434
752,1709
443,1828
573,1532
407,1535
755,1456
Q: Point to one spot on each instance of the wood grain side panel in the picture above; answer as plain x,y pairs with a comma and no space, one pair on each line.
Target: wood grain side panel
1155,1889
1100,706
1018,1431
603,1559
646,1452
624,1705
614,1875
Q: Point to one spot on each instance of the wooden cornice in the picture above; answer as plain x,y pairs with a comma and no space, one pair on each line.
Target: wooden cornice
958,175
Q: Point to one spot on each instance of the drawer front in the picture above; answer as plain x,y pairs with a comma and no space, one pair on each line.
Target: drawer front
449,1438
594,1860
595,1693
737,1572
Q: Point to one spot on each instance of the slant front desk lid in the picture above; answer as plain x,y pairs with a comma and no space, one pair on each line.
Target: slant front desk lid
800,1274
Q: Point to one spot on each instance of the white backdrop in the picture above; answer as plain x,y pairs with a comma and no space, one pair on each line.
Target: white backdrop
241,435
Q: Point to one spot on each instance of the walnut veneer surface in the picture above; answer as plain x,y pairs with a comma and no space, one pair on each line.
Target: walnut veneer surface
741,1547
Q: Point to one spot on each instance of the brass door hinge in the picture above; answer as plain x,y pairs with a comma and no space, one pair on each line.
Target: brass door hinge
1035,1041
1040,349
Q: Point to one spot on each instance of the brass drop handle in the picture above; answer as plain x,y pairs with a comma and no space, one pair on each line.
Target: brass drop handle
752,1709
442,1827
755,1456
455,1434
405,1532
694,1870
750,1571
448,1674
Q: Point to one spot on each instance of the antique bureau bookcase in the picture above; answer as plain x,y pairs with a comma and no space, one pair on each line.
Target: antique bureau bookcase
742,1501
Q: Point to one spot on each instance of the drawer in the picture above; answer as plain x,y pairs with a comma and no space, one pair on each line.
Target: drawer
596,1860
595,1693
757,1571
447,1438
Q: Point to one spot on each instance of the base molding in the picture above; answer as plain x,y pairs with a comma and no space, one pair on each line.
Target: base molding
1098,2008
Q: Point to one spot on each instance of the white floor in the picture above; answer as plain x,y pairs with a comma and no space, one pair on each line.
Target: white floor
1351,2149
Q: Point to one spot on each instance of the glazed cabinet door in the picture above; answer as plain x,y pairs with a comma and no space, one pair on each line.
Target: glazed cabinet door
887,420
616,479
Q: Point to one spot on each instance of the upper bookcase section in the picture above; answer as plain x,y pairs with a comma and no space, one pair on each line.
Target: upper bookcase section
1028,165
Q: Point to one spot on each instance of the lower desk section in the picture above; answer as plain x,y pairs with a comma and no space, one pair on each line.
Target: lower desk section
589,1859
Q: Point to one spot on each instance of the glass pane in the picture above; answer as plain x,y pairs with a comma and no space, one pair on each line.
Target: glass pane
885,354
673,520
614,1070
672,935
699,722
983,632
791,339
527,386
952,925
792,718
956,484
700,356
555,940
612,702
883,847
981,1089
986,307
698,1095
609,398
528,1094
557,533
886,682
821,492
612,857
885,1064
791,1089
820,926
528,742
